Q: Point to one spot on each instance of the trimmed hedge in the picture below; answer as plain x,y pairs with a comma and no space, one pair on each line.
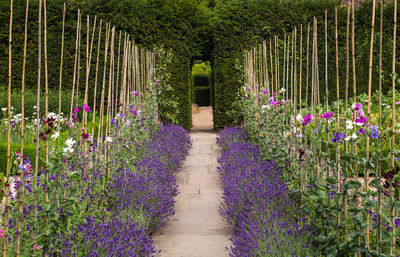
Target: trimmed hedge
240,25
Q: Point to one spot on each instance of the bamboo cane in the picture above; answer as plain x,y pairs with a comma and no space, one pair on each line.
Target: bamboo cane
301,67
61,73
284,66
366,177
396,190
358,239
38,111
5,238
378,184
346,147
337,124
75,64
272,67
307,63
295,71
287,68
22,127
108,123
88,64
78,72
118,61
95,82
291,71
101,122
326,61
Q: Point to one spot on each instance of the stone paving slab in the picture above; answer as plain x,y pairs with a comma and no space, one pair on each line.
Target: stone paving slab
197,229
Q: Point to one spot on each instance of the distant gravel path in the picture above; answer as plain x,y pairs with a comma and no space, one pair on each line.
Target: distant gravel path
197,229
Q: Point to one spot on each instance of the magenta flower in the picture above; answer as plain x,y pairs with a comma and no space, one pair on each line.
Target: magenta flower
362,119
136,93
76,109
306,120
265,92
327,116
37,247
358,106
86,108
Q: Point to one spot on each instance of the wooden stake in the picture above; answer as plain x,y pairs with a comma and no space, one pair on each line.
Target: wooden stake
5,238
307,62
366,177
396,190
75,64
101,122
378,185
95,82
22,127
61,73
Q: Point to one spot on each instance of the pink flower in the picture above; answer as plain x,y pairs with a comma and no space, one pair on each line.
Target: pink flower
265,91
37,247
2,233
76,109
136,93
86,108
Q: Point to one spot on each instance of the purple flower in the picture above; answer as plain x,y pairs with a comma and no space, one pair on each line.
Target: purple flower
338,137
374,132
306,120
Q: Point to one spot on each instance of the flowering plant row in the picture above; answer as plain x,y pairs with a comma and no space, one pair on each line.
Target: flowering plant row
98,195
257,203
338,160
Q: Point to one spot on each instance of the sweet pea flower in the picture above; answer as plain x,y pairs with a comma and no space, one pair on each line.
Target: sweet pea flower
76,109
374,132
2,233
136,93
306,120
86,108
337,138
265,92
349,124
37,247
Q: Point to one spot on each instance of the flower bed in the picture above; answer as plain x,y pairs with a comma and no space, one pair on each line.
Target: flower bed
256,202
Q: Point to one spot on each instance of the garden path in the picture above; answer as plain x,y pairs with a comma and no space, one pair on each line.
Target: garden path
197,229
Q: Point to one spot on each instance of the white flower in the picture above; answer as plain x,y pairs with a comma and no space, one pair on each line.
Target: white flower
353,106
282,90
263,107
352,137
68,150
4,109
108,139
128,123
349,124
359,124
55,135
388,107
70,142
299,118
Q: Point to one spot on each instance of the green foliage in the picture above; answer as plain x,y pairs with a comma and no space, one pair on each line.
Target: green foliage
239,25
